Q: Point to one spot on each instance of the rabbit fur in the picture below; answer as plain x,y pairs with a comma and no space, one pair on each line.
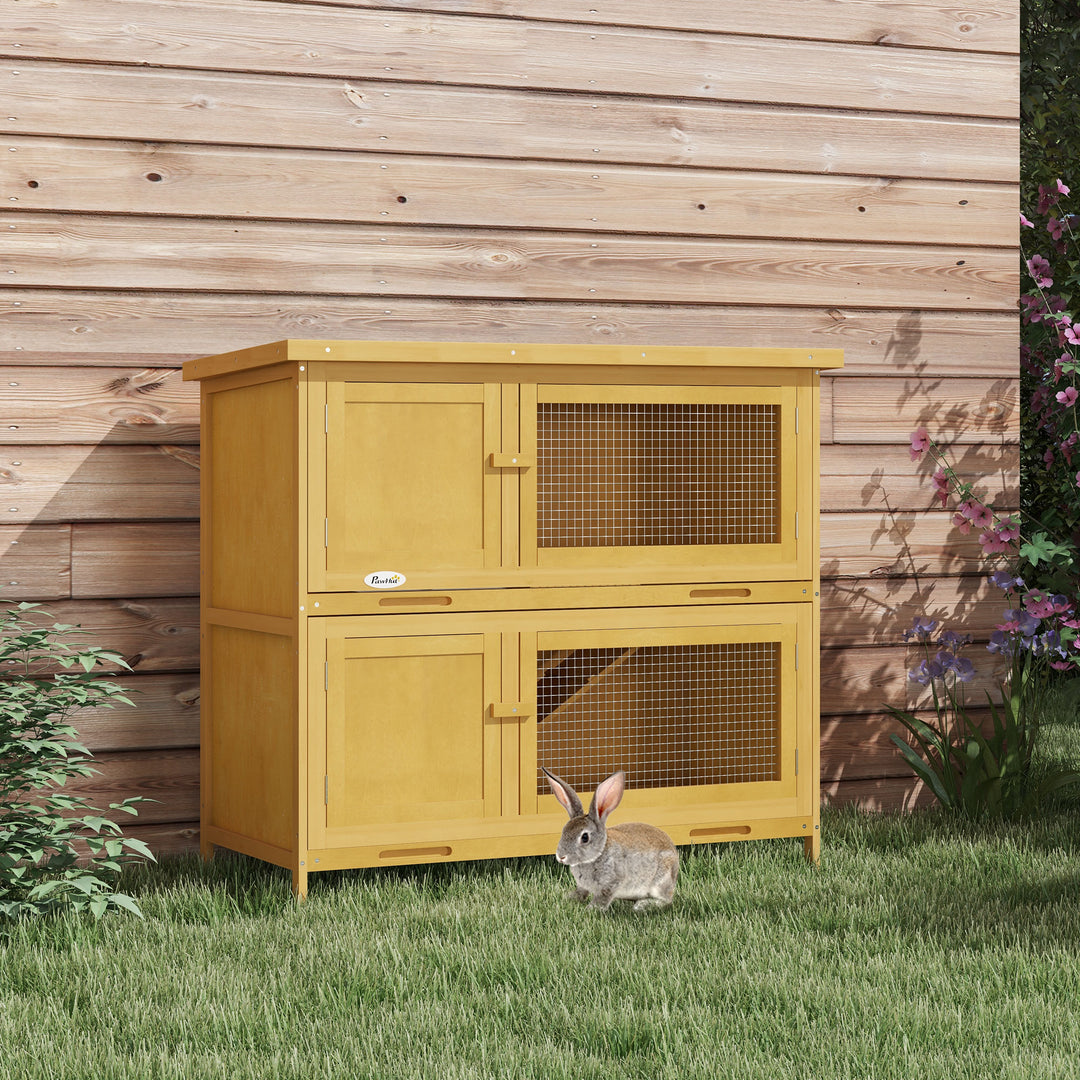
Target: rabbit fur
634,861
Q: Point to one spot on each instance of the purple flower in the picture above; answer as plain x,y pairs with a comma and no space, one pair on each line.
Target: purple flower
964,668
1039,269
921,629
955,641
1017,621
1000,643
1006,581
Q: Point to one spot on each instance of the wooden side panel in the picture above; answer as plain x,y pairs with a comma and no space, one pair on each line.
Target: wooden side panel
252,492
250,735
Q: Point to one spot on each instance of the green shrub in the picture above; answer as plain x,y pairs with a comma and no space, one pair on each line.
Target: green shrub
56,850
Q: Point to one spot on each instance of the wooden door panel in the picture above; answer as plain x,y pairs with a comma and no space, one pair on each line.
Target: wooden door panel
409,486
409,737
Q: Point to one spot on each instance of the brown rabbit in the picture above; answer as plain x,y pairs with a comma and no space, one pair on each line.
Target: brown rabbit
626,862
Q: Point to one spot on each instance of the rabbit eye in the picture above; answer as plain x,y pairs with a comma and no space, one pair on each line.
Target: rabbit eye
583,838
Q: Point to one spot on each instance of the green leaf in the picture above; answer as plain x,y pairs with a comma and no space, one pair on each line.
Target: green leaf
126,902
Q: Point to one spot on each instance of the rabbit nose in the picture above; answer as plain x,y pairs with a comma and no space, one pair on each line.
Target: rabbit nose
560,858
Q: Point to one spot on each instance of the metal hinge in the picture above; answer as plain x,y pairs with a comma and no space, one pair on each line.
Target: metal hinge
796,656
326,676
326,532
796,761
326,420
326,791
796,419
796,524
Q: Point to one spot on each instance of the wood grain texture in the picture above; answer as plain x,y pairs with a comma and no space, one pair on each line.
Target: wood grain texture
877,610
993,28
107,328
893,794
103,177
884,478
865,680
860,747
165,715
133,253
479,51
974,410
35,562
136,560
357,114
897,544
154,635
520,134
98,405
168,779
95,482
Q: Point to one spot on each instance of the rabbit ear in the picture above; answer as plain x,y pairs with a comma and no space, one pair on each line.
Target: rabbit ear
608,796
566,795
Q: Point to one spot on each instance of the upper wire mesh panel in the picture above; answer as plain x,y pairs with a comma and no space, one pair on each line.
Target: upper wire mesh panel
627,474
671,716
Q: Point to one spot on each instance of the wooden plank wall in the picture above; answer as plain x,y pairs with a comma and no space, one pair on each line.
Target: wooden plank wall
182,177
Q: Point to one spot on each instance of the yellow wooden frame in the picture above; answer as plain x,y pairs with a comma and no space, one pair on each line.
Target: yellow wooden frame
266,580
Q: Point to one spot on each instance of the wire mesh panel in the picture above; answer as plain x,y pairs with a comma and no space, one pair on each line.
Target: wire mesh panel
671,716
624,474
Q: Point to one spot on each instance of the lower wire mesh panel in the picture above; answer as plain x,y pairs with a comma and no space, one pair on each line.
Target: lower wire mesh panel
671,716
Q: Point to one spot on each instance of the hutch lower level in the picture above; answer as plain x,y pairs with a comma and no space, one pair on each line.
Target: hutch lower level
429,569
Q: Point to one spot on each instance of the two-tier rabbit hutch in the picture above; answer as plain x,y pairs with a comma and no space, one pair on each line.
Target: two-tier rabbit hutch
429,569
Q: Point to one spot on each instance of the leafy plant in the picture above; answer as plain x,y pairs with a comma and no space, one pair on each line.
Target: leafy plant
968,769
56,850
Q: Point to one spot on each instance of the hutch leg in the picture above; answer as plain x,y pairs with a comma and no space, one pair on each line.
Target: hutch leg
299,884
812,847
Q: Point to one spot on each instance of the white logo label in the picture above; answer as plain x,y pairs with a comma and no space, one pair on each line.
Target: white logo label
384,579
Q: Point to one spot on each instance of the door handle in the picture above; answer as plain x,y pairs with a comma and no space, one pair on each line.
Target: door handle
513,460
510,710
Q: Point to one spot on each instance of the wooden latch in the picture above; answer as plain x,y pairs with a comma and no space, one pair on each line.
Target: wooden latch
513,460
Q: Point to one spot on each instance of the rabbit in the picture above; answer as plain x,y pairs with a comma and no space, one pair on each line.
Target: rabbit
626,862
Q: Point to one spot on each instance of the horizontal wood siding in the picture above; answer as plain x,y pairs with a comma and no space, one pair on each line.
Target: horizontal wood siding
184,178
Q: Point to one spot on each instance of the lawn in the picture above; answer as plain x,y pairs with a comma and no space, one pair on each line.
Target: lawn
921,947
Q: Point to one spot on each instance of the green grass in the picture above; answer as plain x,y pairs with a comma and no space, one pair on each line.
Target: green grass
919,948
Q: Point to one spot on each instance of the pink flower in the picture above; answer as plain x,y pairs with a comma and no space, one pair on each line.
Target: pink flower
983,517
1054,228
1039,269
920,443
1067,397
1024,221
1009,530
992,544
941,486
1061,187
1048,458
1039,605
964,524
1071,336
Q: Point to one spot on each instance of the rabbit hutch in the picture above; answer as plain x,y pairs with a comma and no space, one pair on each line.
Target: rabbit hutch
429,569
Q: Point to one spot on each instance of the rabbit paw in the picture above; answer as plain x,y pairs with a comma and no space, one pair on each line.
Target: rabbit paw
578,894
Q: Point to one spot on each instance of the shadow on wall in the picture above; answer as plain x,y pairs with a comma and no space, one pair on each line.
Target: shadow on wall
104,535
